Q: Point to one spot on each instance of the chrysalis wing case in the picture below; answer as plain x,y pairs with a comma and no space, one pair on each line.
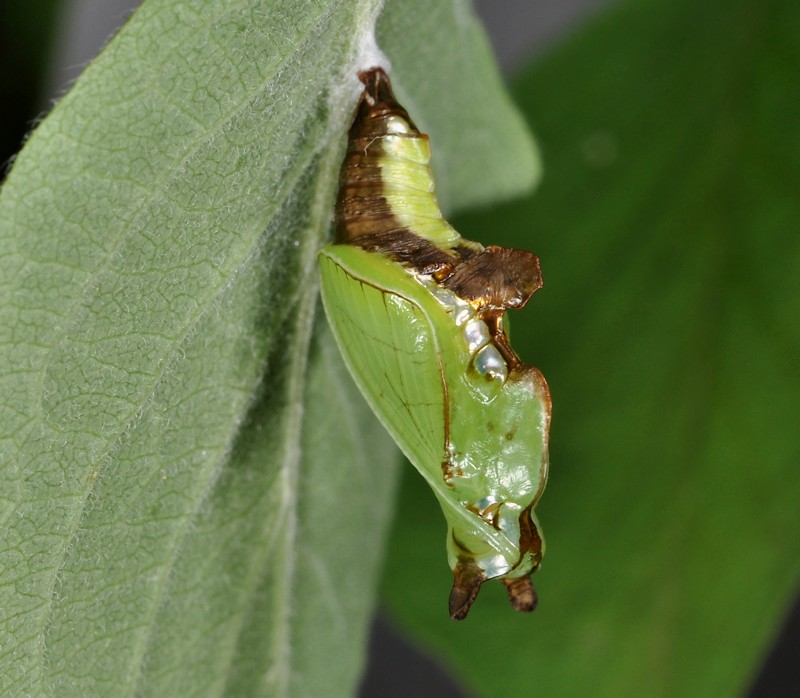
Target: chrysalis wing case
417,312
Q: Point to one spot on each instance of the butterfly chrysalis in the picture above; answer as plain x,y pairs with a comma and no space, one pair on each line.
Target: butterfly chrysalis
418,313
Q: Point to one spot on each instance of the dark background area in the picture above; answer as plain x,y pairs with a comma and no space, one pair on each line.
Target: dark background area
43,46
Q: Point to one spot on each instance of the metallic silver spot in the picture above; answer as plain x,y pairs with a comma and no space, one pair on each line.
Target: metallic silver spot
463,313
395,124
485,502
489,363
460,310
476,335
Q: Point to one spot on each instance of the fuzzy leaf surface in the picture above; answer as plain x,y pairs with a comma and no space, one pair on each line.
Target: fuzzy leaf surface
194,496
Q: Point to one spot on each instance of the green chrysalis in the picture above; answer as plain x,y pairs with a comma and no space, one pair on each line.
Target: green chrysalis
418,312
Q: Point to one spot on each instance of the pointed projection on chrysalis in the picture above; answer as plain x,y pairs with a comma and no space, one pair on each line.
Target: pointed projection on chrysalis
418,313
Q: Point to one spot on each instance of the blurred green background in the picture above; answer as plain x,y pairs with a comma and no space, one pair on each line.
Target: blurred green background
668,329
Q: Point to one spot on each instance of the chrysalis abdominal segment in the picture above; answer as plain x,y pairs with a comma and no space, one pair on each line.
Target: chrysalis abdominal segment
417,311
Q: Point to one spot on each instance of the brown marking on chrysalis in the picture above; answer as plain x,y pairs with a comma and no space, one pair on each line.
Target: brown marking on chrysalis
467,580
361,209
529,539
408,249
363,216
497,278
494,321
449,470
490,513
378,103
521,593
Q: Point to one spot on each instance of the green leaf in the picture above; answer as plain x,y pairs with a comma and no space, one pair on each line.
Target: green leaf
194,497
667,328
